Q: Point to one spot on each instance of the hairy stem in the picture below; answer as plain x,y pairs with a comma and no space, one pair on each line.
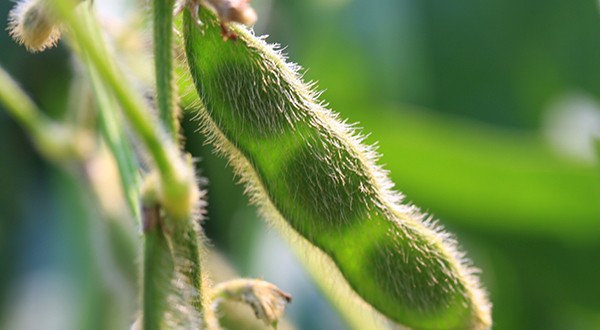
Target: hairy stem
185,240
187,246
158,271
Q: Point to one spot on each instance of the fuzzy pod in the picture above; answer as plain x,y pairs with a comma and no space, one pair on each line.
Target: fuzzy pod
308,168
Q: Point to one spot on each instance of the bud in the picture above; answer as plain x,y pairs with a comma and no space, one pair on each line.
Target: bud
267,300
31,24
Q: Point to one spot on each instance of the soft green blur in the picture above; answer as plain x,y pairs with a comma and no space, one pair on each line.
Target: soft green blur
484,111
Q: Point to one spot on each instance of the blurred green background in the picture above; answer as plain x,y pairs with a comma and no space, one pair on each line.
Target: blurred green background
485,112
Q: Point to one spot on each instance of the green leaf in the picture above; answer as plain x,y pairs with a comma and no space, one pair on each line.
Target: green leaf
310,170
486,177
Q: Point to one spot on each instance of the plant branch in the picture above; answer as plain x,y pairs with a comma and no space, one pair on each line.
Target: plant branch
158,270
163,64
115,137
177,186
56,142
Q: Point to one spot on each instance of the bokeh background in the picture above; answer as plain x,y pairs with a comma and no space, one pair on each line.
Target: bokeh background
485,113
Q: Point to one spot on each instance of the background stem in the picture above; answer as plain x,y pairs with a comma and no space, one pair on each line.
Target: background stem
116,139
55,141
86,33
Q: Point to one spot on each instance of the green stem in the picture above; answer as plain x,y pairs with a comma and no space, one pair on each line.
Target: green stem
163,64
158,271
54,141
190,246
85,31
176,187
20,105
115,137
186,242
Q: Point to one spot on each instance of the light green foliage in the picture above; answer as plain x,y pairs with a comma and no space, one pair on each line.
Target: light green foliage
304,164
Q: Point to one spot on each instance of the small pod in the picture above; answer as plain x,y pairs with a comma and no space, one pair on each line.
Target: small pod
304,164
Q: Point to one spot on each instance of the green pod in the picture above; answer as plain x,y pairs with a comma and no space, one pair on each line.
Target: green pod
302,163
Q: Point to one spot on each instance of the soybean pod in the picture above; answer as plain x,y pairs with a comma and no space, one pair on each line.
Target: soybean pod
311,170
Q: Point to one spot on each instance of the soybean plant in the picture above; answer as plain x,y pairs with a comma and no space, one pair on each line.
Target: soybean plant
310,172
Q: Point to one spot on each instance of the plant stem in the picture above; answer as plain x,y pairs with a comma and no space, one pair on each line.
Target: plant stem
62,148
177,186
56,142
185,239
163,64
158,270
187,245
114,135
20,105
85,31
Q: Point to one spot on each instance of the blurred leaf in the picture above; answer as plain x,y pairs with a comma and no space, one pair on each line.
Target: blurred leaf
486,177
